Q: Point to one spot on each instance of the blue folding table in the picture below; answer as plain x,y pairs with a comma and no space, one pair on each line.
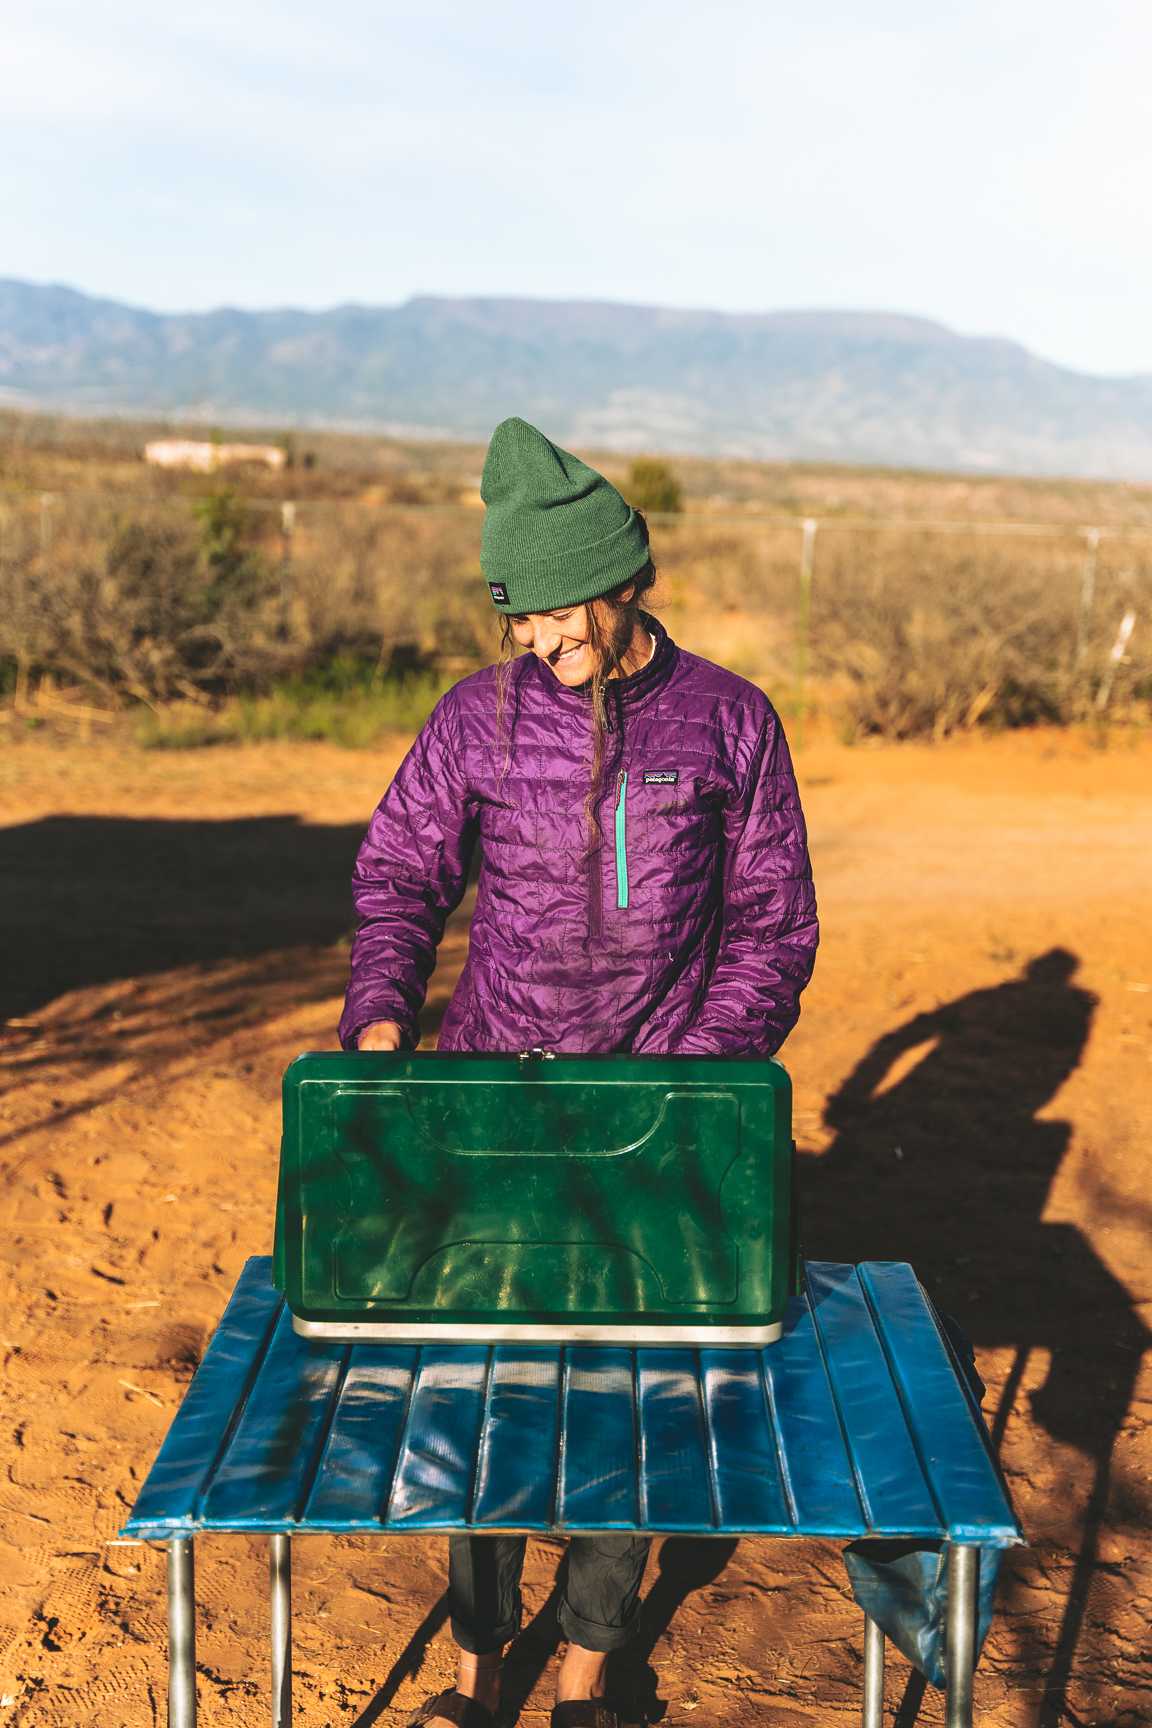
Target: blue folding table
855,1423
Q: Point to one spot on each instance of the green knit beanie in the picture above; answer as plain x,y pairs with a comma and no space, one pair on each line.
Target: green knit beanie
555,531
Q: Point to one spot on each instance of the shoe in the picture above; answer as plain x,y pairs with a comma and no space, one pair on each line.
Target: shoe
453,1706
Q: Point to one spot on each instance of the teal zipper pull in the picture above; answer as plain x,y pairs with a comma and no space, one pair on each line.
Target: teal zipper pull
621,840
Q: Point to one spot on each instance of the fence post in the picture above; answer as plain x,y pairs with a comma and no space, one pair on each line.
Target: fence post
1087,594
287,531
1118,651
47,500
803,623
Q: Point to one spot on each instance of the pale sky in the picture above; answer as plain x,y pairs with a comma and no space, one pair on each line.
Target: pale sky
988,164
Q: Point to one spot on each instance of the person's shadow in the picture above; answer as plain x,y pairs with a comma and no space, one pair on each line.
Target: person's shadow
940,1159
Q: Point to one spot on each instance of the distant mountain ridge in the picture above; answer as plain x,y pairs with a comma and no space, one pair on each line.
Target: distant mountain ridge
867,387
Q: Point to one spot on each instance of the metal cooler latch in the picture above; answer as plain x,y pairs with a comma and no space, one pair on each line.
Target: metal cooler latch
536,1055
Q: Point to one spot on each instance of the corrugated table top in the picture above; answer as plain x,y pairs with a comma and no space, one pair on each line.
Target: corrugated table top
854,1423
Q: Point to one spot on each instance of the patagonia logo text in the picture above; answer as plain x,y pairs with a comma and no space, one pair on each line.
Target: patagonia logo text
499,593
662,777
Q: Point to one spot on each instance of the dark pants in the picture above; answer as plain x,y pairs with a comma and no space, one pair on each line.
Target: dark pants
598,1609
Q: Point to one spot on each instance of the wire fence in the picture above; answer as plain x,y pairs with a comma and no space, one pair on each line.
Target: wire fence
900,626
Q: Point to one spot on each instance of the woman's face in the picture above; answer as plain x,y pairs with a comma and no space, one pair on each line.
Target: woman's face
561,640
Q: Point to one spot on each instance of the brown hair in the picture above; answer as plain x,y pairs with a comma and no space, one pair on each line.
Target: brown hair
612,624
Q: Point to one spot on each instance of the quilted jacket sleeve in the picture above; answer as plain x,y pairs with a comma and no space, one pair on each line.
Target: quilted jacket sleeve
410,873
769,931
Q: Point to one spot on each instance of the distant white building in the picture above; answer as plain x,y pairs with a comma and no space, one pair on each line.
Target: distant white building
205,458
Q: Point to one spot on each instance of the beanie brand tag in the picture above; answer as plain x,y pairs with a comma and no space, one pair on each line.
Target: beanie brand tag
662,777
499,593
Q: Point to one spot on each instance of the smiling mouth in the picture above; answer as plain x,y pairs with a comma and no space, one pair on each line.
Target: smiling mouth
565,654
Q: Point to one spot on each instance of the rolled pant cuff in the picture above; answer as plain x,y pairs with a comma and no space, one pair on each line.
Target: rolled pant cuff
482,1641
592,1634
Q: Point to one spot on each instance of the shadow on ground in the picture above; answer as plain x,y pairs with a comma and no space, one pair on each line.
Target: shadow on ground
180,933
940,1158
89,900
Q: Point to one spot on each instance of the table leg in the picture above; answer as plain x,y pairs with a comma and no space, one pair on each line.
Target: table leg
873,1674
181,1634
280,1585
963,1578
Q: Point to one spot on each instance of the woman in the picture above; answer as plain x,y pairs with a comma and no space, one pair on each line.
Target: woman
644,886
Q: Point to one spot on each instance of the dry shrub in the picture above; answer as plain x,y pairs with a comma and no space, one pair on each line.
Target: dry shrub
922,634
912,632
215,597
728,591
652,486
149,604
396,577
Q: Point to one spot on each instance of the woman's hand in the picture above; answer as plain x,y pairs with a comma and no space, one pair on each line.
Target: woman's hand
381,1035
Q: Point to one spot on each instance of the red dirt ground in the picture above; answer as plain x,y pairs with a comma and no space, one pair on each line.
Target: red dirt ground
973,1081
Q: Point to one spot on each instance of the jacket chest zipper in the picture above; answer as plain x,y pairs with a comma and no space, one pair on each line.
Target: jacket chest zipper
596,857
622,839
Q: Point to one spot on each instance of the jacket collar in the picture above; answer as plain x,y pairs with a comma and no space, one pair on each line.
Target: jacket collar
626,692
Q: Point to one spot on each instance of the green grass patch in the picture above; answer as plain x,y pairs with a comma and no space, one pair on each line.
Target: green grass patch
356,717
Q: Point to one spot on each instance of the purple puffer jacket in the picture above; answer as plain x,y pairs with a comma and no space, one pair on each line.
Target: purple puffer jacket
690,928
